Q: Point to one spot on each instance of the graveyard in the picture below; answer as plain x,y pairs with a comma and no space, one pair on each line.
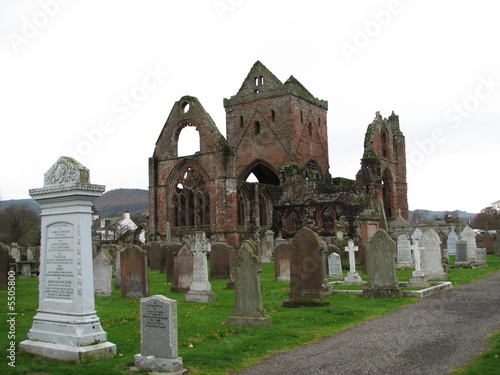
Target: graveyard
207,343
229,271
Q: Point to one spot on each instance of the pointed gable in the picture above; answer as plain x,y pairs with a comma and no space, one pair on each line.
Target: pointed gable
188,111
261,83
259,80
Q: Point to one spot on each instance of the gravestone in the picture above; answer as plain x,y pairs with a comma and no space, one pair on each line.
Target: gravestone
15,252
66,326
352,277
155,256
279,239
488,243
159,341
381,268
103,274
462,259
183,269
248,311
265,251
30,255
200,289
4,266
282,254
25,270
134,271
451,243
170,252
306,270
418,278
340,235
114,251
417,234
334,266
470,236
219,261
432,262
481,261
232,257
163,257
269,237
404,252
147,248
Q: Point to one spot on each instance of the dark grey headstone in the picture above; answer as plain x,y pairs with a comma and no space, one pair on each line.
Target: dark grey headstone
462,251
306,270
381,267
248,309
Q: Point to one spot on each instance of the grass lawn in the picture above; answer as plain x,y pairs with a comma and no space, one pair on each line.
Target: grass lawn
206,343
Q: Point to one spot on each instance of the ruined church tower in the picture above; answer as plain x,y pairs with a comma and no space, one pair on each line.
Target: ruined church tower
272,124
383,167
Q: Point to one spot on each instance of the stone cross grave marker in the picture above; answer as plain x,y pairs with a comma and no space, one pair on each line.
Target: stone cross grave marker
248,311
352,277
103,274
306,270
66,326
432,262
200,289
418,278
159,342
381,267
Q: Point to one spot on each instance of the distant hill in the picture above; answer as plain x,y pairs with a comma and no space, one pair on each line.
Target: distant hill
30,203
111,203
114,202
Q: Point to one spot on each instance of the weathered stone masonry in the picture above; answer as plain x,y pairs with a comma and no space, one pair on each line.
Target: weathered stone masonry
277,132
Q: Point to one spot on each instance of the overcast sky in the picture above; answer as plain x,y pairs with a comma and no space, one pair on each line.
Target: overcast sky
96,80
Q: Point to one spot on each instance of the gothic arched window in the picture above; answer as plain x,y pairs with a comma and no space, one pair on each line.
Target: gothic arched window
191,202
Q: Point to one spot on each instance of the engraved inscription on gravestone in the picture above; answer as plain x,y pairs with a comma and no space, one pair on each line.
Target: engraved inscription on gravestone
60,276
154,321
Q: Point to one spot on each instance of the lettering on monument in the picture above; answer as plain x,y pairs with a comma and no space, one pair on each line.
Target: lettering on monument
155,315
59,277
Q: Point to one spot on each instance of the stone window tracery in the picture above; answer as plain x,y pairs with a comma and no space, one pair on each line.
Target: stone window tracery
191,201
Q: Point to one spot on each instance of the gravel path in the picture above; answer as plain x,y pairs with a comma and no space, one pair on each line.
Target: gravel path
431,337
